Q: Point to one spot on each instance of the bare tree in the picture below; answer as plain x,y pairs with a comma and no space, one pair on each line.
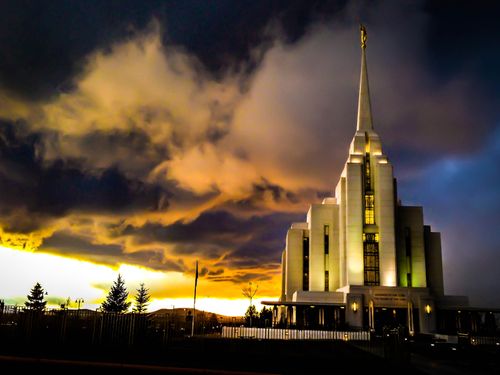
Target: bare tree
250,291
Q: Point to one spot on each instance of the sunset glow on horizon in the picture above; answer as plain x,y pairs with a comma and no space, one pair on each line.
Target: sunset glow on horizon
91,282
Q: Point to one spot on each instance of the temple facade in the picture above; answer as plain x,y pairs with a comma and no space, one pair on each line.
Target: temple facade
361,259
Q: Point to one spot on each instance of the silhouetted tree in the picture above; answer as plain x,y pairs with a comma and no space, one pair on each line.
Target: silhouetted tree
116,301
35,300
250,292
142,300
251,315
266,317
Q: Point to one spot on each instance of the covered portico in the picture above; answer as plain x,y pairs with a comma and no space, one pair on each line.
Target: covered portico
324,315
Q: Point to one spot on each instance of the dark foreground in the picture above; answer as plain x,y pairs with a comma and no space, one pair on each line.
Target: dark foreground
212,355
202,356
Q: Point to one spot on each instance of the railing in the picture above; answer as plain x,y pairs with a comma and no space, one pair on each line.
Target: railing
468,339
86,327
292,334
484,340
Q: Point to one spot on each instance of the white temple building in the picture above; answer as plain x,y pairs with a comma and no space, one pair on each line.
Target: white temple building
362,260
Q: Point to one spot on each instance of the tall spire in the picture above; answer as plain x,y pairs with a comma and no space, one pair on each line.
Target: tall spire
364,106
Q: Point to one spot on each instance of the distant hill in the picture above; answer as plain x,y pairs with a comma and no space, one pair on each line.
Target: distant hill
182,313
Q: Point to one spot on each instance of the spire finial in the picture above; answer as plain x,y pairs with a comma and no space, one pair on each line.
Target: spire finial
364,35
364,106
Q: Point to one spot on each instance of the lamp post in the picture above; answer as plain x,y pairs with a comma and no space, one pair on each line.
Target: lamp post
79,301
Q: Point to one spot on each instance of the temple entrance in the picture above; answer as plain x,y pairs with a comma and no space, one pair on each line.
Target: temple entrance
386,317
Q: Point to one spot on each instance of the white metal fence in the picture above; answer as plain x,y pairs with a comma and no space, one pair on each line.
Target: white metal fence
292,334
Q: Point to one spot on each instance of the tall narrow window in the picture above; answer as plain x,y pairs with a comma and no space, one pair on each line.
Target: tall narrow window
408,255
326,239
327,281
369,209
368,174
408,241
371,259
305,262
369,198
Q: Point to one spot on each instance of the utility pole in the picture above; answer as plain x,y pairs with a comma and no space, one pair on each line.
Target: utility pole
194,300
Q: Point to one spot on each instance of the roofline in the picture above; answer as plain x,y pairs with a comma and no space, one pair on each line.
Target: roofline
304,303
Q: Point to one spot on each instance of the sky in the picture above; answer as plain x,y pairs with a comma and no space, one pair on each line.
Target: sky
139,137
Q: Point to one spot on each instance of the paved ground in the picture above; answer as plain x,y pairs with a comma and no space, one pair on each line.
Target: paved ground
451,367
246,357
447,359
204,356
59,366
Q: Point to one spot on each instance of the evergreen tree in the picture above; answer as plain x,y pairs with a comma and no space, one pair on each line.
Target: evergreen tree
142,299
35,300
116,301
251,315
266,317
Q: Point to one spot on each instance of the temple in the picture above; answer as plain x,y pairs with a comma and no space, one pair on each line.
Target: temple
362,260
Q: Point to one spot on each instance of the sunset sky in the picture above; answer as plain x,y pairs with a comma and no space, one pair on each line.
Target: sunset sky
138,137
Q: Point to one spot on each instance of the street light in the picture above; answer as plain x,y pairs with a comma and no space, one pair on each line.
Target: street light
79,301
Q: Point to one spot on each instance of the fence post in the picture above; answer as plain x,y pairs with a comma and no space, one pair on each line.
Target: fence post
62,333
131,331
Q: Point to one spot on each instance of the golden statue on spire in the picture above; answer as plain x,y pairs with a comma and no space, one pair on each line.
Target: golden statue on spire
363,35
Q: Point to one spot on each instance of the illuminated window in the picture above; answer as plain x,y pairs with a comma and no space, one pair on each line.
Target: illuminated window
326,239
305,262
327,282
370,237
370,262
369,209
371,259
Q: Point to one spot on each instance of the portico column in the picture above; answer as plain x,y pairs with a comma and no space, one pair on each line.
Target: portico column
410,323
371,316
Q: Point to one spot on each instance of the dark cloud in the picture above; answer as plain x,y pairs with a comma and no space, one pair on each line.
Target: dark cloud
73,245
203,272
217,272
250,242
262,191
277,192
242,277
52,190
132,150
43,45
67,243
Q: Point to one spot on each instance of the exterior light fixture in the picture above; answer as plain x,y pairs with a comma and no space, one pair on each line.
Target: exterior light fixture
428,309
354,306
